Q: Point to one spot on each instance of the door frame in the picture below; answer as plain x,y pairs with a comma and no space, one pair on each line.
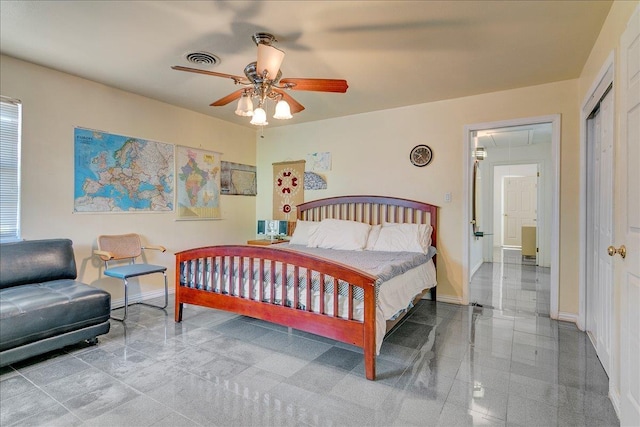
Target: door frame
467,162
599,87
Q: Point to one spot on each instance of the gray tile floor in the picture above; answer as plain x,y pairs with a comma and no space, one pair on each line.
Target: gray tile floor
445,365
512,283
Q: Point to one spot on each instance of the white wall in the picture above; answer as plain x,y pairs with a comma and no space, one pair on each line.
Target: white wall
53,103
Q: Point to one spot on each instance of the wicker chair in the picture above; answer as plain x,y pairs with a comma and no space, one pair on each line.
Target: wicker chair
119,253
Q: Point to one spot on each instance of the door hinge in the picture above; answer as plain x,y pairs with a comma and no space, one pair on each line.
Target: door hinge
538,174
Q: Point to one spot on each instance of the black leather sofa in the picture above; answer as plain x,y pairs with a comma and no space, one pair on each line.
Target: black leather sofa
42,306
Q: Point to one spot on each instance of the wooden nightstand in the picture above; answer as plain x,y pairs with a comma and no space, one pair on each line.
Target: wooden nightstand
265,242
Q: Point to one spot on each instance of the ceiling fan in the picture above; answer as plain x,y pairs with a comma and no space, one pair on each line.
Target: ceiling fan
263,81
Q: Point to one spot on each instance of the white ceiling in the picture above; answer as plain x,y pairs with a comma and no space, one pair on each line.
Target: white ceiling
515,136
392,53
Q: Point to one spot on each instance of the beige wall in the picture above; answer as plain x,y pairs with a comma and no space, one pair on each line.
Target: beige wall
370,155
53,103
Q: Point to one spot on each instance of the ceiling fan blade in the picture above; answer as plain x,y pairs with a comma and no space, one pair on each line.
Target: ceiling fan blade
294,105
318,85
238,79
227,99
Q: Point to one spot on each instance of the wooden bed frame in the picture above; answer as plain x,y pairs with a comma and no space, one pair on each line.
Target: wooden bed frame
193,286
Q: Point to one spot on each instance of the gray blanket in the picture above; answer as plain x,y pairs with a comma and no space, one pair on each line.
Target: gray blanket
383,265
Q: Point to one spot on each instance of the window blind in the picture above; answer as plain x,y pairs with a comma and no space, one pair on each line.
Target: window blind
10,125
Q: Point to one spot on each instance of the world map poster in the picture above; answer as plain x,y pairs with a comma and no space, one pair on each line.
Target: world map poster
115,173
198,183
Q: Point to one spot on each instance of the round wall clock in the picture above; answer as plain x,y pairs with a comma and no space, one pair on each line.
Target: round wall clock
420,155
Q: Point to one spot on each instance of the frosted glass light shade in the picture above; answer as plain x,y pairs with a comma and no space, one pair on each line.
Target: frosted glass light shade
270,59
245,106
283,111
259,117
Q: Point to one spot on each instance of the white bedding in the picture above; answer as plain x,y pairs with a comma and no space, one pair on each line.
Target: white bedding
395,294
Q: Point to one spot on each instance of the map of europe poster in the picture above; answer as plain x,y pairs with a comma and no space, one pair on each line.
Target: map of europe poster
115,173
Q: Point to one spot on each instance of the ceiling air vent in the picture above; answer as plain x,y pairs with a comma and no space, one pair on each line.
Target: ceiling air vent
202,58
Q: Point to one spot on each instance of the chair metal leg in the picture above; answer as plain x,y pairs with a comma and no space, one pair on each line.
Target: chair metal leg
126,303
126,299
166,296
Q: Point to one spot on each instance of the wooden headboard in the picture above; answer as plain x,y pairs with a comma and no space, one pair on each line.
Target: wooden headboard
371,210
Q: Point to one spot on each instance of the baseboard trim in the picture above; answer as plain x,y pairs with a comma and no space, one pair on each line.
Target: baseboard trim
476,268
614,396
119,303
449,299
568,317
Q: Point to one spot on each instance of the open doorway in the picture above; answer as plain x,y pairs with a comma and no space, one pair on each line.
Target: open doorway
510,245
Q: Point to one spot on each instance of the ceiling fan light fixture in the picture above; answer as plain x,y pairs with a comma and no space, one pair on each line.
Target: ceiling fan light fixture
283,110
269,60
262,81
245,106
259,117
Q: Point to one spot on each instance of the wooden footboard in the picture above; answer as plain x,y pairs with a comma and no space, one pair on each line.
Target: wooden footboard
248,280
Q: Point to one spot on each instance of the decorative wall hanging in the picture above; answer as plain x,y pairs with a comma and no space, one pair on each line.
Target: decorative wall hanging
115,173
236,178
314,181
198,183
318,162
288,189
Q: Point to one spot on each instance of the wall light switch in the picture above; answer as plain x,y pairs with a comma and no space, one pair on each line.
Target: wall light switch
447,197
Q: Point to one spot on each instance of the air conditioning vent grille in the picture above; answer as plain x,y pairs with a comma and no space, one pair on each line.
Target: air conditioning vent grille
202,58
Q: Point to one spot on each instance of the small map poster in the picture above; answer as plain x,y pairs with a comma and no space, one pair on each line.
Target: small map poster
197,183
318,162
236,178
115,173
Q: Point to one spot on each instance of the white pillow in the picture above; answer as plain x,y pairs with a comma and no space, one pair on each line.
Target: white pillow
404,238
422,231
302,232
373,237
339,234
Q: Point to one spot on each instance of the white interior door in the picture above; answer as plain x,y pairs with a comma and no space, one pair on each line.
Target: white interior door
628,269
520,207
592,238
600,229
